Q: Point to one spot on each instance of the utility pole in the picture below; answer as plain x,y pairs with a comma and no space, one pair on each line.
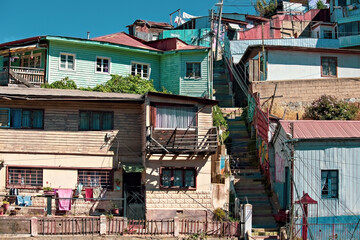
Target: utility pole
292,182
211,85
220,4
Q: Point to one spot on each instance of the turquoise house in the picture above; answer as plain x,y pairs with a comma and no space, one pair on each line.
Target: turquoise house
171,63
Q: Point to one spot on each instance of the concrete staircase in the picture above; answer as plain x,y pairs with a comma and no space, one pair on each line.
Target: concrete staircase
222,87
248,180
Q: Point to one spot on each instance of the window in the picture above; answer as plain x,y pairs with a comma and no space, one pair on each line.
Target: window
67,61
22,118
175,117
95,178
140,69
92,120
328,66
31,61
102,65
24,177
193,70
178,178
329,183
327,34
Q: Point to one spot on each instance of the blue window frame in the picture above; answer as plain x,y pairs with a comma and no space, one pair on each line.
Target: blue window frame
22,118
329,183
95,121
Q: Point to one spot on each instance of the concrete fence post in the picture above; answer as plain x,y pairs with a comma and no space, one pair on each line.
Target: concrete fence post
247,217
125,223
176,227
102,225
34,226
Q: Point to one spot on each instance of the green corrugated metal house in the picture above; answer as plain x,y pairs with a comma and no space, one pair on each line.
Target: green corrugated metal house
171,63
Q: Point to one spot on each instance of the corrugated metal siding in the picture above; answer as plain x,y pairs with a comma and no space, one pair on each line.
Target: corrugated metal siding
85,61
170,72
194,87
312,157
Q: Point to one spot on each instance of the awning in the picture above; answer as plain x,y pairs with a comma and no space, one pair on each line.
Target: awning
133,167
19,49
234,26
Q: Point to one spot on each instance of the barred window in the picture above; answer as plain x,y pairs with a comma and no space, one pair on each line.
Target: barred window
95,178
24,177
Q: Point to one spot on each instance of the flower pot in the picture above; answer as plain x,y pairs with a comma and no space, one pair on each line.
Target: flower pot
1,212
116,211
6,206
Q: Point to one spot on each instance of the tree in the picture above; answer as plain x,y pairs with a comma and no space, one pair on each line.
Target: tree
321,5
329,108
266,9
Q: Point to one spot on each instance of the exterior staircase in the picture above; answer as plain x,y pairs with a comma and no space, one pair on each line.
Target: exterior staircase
222,87
248,180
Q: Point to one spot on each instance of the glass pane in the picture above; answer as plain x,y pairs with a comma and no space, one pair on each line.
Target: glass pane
145,71
71,62
4,117
98,65
105,65
166,178
197,69
84,120
107,121
37,119
138,69
189,70
133,69
95,121
26,119
325,68
189,178
178,178
332,66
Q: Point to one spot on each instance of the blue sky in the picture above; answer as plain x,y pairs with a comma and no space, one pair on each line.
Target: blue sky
73,18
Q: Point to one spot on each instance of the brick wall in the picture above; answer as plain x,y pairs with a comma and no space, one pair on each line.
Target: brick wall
303,92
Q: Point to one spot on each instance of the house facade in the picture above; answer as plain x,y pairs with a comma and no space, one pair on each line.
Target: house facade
138,150
324,168
173,64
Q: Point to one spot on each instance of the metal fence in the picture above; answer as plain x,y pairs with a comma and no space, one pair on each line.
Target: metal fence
330,231
69,226
215,228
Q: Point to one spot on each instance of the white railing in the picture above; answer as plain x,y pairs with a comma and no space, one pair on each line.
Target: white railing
32,75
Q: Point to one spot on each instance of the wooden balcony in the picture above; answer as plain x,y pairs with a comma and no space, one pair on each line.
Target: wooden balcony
22,75
182,141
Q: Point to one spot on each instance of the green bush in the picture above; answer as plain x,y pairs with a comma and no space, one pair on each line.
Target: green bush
219,215
329,108
65,83
220,122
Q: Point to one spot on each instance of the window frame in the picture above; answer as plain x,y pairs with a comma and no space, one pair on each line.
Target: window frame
28,56
330,194
8,117
90,120
67,62
154,111
142,64
108,176
25,186
21,124
323,58
327,34
102,65
186,72
183,169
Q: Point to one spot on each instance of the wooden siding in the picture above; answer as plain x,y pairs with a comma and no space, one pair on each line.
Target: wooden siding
60,134
85,60
194,87
170,73
312,157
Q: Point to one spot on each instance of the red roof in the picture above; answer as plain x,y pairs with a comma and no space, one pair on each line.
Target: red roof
315,129
123,39
169,44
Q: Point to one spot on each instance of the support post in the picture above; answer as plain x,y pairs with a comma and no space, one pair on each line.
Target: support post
102,225
218,28
176,227
48,205
34,226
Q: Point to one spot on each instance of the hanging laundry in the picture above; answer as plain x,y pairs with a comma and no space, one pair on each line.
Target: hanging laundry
88,194
19,200
79,189
178,20
64,199
27,201
188,16
96,192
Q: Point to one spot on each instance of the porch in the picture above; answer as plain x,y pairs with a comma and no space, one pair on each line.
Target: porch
182,141
22,75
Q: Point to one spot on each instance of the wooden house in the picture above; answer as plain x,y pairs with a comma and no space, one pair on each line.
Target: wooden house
171,63
129,145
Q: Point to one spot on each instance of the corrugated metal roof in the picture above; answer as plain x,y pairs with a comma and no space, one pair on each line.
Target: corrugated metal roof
311,129
51,94
123,39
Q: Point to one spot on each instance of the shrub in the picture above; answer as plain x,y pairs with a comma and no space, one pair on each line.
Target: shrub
219,215
65,83
220,122
329,108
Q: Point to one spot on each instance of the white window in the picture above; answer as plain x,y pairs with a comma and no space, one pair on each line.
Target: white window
141,69
67,61
102,65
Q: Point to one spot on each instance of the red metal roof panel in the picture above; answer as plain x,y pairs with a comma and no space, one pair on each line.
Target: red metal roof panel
308,129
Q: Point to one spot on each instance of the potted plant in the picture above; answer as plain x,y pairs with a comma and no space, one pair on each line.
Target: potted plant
48,190
6,205
1,211
115,210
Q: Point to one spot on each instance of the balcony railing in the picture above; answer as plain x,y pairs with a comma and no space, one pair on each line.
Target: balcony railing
182,141
22,75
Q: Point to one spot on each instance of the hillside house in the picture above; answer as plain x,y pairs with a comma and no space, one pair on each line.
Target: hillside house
135,148
324,171
171,63
148,30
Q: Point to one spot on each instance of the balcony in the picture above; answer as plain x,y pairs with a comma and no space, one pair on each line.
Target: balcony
182,141
22,75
